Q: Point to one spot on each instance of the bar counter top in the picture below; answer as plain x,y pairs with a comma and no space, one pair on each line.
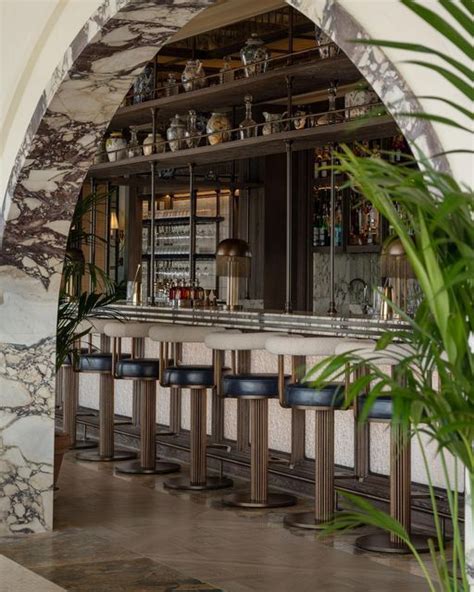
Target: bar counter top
258,320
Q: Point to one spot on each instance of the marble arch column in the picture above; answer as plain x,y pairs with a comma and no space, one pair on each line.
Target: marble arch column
71,117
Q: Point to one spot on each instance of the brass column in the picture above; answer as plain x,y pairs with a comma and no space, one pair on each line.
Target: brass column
324,466
148,424
259,451
298,416
69,383
138,351
198,436
243,436
400,479
361,437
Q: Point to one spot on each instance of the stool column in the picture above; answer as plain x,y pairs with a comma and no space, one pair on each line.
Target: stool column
259,450
400,479
106,416
175,394
138,350
324,465
361,437
243,367
147,424
198,436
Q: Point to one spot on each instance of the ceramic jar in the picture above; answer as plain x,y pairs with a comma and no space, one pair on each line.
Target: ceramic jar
171,86
144,85
100,156
176,134
116,146
192,133
300,119
254,56
226,73
272,123
327,49
217,128
134,148
193,76
148,144
358,102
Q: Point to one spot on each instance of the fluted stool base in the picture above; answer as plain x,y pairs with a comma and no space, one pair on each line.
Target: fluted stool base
161,468
305,520
84,444
381,543
95,456
273,500
184,484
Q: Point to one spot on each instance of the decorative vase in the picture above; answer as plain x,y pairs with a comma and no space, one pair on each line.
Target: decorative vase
327,49
134,148
332,116
248,127
143,86
226,73
100,155
300,119
254,56
160,145
116,146
193,137
176,134
358,102
272,123
193,76
171,86
217,128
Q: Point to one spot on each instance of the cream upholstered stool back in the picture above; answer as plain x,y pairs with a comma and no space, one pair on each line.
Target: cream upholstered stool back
197,378
257,389
323,401
100,362
381,409
145,373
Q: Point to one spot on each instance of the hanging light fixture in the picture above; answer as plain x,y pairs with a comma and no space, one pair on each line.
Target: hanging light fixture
114,223
397,271
233,262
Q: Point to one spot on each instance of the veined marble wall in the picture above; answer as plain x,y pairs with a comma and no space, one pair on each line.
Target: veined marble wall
66,128
71,117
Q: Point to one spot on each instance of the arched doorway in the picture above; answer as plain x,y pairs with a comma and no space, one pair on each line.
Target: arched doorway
43,191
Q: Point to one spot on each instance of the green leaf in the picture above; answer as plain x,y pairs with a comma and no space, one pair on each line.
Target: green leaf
462,86
441,25
462,18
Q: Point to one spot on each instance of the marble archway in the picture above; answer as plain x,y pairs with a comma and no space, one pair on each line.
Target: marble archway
72,115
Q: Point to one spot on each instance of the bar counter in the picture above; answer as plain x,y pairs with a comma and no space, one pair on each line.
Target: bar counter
259,320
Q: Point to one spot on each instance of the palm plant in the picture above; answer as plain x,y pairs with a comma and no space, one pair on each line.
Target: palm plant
75,305
432,215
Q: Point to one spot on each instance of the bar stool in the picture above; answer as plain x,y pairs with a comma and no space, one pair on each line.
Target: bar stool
400,462
257,389
101,363
323,401
146,373
69,388
198,379
361,429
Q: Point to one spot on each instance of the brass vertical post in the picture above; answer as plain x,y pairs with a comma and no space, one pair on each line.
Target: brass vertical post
324,465
400,479
138,351
243,436
148,424
259,450
298,416
198,436
175,394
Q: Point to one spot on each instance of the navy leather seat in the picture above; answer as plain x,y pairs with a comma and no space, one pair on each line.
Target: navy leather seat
382,408
251,385
144,368
188,376
304,394
70,357
96,362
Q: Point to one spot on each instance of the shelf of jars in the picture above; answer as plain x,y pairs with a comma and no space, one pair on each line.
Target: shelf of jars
224,143
310,70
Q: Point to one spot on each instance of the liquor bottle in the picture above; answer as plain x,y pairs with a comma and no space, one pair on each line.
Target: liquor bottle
248,127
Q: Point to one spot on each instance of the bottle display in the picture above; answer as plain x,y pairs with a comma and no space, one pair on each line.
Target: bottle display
248,126
193,136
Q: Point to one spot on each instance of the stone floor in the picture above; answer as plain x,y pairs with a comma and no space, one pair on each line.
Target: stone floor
128,534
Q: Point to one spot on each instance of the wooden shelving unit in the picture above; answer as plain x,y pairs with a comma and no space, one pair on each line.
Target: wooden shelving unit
363,129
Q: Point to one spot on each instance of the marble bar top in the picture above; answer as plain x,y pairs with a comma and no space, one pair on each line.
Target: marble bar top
257,320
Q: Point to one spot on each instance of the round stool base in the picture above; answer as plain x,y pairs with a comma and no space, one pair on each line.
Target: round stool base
380,543
183,484
274,500
84,445
161,468
96,457
304,520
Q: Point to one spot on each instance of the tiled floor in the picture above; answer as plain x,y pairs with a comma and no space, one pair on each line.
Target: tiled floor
128,534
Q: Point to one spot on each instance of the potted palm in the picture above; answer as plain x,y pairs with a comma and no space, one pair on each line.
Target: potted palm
432,216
